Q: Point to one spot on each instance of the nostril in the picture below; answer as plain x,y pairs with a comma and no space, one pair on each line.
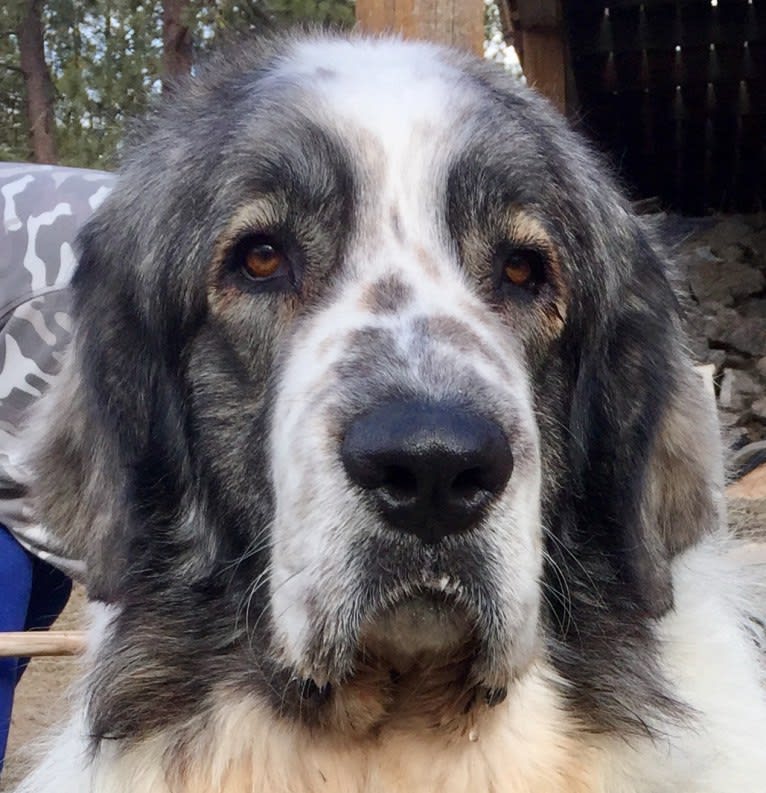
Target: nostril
467,483
399,481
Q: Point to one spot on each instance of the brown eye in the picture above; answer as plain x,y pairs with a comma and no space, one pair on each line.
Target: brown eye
518,271
524,268
262,260
265,262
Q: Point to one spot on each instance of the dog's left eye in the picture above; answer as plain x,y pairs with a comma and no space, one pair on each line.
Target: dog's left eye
521,268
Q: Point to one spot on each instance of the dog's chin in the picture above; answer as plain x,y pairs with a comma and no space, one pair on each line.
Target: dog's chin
423,630
415,667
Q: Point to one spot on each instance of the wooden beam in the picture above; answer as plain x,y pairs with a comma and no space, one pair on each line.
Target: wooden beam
539,13
540,39
458,23
545,64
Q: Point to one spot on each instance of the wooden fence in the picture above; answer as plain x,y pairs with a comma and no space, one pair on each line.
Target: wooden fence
676,90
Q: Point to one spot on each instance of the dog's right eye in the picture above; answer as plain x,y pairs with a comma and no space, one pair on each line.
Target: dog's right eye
262,260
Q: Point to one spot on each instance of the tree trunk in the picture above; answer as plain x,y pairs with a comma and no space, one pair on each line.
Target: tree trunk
37,82
176,42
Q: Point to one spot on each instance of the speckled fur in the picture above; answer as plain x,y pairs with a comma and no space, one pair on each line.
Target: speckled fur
243,569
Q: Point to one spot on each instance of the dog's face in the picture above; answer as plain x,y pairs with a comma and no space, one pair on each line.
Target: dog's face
403,448
377,359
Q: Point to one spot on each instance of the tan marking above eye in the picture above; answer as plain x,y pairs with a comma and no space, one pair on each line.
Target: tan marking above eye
263,260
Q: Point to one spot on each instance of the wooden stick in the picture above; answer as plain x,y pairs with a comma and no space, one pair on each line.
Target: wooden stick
35,643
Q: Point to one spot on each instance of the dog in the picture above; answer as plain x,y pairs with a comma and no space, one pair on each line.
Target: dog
383,448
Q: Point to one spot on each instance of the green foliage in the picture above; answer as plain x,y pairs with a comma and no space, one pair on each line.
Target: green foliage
104,57
13,124
105,60
225,17
336,11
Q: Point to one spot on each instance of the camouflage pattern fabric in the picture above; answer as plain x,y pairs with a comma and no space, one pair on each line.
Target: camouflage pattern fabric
42,209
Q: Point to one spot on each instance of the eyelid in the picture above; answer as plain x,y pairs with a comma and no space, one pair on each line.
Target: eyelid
531,243
507,247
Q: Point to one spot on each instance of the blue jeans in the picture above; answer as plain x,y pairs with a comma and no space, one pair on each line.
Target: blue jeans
32,594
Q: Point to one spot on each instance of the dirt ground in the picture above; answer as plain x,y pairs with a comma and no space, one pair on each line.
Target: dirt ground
41,697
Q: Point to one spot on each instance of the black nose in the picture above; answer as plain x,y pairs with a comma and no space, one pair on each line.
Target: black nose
432,469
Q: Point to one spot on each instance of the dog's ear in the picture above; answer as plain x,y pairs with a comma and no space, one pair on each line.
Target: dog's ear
73,474
113,440
645,449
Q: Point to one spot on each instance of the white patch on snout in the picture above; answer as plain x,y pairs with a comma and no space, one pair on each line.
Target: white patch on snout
318,514
409,136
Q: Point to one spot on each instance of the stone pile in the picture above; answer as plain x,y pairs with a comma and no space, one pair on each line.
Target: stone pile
722,264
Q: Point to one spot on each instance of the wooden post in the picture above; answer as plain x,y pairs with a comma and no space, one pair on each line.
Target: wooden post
458,23
542,47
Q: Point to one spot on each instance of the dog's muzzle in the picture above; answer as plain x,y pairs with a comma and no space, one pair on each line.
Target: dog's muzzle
430,469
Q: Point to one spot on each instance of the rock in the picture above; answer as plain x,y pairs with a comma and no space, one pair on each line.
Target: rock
748,457
736,360
758,245
723,281
696,344
737,390
717,320
724,305
696,324
745,334
724,327
715,357
731,230
728,420
733,436
758,409
754,307
748,335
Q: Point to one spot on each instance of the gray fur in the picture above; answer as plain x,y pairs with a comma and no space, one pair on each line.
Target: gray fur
177,365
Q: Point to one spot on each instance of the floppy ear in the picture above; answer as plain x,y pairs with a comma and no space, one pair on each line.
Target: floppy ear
684,497
645,451
113,446
72,489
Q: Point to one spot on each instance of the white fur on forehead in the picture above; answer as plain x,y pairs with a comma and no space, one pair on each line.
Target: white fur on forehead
367,64
384,86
